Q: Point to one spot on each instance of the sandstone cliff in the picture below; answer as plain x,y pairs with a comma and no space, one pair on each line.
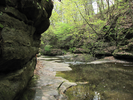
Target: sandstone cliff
21,25
118,38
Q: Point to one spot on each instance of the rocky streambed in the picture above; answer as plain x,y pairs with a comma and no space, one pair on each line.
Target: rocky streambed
49,86
88,80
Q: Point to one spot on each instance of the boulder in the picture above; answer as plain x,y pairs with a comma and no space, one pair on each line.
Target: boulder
21,25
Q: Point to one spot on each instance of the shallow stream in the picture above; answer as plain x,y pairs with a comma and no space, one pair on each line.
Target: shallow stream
97,80
107,81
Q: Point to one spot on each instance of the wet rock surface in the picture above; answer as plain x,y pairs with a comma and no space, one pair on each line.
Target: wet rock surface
48,83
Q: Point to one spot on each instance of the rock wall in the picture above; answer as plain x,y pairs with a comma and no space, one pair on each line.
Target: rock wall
21,25
118,38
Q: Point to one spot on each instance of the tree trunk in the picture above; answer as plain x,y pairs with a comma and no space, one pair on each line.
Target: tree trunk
108,12
100,9
102,4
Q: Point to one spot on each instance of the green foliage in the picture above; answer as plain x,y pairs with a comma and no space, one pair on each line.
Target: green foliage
99,24
63,30
42,43
72,49
1,26
47,48
71,31
64,51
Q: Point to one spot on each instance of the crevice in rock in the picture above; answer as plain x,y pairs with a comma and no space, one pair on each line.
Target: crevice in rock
1,43
12,15
29,22
15,64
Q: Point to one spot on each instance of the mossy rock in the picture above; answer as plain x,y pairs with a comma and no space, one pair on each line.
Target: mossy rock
122,54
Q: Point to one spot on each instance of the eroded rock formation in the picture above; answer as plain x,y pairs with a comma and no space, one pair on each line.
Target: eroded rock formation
118,38
21,25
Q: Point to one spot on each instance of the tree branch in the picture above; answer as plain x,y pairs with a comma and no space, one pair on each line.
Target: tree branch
85,19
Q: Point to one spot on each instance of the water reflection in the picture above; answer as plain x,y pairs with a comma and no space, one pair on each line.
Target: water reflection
110,81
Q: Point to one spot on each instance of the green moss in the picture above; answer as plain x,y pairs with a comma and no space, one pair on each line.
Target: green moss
6,8
9,0
1,13
1,26
39,7
130,30
64,76
29,93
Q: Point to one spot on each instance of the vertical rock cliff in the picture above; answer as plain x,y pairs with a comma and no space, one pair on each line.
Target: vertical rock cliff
21,25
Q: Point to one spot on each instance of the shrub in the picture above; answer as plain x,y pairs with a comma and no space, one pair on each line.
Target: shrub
47,48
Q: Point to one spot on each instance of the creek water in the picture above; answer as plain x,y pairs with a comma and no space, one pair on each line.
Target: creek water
97,80
107,81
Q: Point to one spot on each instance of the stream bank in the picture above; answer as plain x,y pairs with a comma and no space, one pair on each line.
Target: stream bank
48,83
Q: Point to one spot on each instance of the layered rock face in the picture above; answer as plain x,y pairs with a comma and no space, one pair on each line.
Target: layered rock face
21,25
118,40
